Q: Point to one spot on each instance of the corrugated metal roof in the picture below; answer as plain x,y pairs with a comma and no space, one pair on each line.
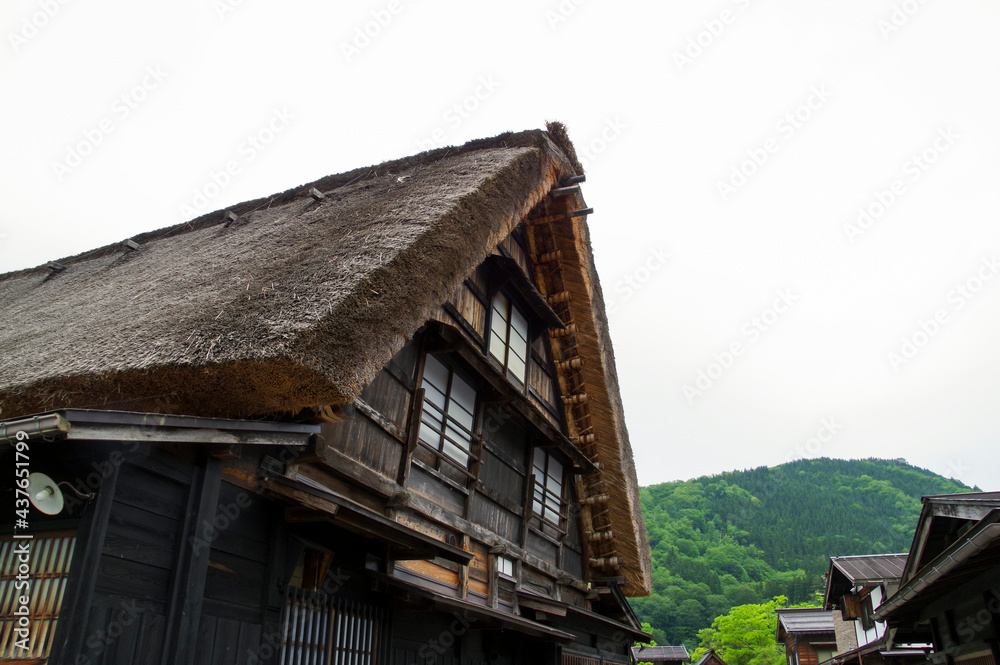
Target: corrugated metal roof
871,568
659,654
806,620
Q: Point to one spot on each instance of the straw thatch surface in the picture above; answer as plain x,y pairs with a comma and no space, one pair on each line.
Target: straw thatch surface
300,303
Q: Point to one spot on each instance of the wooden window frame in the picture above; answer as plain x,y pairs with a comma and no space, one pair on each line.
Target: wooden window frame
512,309
465,469
540,521
48,578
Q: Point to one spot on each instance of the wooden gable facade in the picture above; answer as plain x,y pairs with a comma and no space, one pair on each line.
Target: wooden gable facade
808,635
855,588
439,477
949,594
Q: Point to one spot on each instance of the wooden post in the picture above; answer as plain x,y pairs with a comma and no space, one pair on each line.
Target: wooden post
191,568
83,573
416,410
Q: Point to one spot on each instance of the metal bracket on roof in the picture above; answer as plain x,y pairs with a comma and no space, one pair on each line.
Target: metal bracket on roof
131,244
316,194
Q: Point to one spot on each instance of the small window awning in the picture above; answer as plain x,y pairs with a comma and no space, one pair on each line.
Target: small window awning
516,278
407,543
137,427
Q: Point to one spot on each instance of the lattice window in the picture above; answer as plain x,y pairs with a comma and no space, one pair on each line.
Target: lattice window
548,492
322,630
448,417
46,558
509,338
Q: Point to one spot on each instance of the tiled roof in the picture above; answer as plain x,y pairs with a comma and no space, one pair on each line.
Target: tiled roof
806,620
659,654
871,568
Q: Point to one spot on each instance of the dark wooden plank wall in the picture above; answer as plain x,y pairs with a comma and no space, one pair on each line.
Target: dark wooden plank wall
498,502
242,597
391,396
572,554
127,614
444,639
144,579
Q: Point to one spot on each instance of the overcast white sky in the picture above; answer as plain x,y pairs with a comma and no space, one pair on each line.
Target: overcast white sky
731,145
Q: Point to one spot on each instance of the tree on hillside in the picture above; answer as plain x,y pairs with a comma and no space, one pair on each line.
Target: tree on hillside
745,636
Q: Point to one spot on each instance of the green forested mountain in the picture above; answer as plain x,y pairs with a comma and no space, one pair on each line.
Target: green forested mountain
747,536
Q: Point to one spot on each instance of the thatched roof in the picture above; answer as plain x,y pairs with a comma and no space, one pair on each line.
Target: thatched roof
297,303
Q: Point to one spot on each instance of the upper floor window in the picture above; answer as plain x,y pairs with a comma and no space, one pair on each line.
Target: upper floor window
446,423
548,490
505,567
509,337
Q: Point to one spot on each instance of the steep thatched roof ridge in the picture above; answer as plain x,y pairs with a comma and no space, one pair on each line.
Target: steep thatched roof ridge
358,176
297,303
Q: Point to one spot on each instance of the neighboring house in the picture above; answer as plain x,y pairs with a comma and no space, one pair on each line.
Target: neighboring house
949,593
710,658
855,587
675,655
372,419
807,633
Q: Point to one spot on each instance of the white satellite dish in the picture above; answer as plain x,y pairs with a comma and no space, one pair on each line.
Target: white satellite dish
44,494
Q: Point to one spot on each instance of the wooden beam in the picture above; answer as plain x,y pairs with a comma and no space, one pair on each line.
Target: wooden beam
109,432
565,191
387,425
298,514
316,504
416,411
76,610
191,570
